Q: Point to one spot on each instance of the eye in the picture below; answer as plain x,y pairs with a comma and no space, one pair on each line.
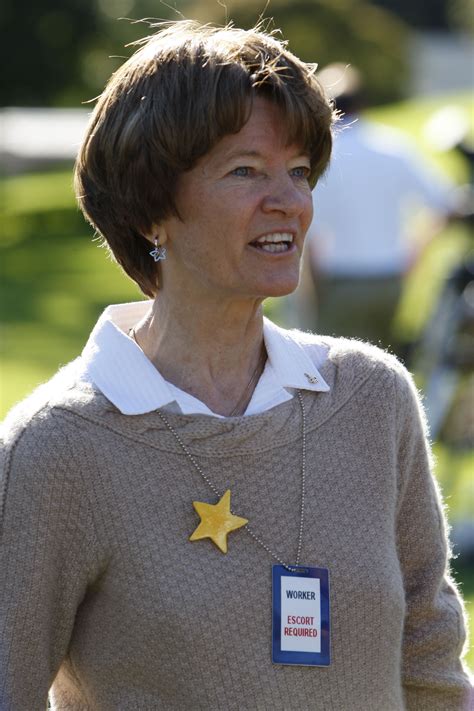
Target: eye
242,171
301,171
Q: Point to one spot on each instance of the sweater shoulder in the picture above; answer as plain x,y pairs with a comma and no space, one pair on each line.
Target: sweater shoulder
40,445
351,364
384,373
43,440
39,416
353,355
361,355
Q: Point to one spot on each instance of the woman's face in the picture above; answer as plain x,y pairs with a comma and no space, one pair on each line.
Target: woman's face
244,208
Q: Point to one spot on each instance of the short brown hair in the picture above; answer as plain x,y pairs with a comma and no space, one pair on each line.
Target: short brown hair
185,88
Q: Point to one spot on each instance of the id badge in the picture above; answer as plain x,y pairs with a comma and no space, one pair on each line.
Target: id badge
300,616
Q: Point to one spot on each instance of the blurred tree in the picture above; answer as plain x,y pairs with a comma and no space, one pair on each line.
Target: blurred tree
432,15
64,50
323,31
43,43
61,52
461,15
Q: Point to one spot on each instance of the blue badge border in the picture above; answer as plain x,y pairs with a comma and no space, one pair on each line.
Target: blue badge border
321,659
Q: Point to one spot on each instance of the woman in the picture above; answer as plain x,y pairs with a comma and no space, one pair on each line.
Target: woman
151,485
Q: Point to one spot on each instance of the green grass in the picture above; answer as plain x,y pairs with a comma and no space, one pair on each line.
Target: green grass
56,280
38,192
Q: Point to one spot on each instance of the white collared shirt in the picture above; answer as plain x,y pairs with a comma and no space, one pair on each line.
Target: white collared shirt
121,371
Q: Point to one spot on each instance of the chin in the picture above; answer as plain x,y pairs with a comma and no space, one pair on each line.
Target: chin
270,284
282,287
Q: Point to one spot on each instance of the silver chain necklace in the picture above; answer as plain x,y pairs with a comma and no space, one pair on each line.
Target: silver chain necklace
247,528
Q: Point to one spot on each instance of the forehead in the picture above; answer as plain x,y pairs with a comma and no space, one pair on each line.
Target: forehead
265,132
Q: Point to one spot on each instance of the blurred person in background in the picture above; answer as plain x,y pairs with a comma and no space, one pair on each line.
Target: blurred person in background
127,580
363,239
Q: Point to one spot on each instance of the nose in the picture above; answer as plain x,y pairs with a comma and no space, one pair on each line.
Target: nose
290,198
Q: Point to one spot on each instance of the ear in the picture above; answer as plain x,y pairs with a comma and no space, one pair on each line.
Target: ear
158,233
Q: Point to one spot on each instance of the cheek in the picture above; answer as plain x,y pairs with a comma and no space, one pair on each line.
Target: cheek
207,214
307,214
200,245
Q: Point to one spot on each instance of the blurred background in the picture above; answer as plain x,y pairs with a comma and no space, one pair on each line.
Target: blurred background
417,62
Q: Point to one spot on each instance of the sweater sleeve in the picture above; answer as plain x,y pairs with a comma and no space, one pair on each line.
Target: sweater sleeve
48,557
434,633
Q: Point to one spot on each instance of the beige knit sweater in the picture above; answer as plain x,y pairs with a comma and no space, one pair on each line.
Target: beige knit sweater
103,596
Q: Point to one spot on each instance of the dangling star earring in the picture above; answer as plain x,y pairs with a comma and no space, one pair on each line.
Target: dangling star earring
159,252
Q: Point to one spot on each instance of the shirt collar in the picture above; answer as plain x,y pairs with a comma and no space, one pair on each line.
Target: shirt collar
122,372
295,358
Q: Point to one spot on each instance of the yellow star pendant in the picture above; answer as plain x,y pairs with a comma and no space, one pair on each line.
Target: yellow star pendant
216,521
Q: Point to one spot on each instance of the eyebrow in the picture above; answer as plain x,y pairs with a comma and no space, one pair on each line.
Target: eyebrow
242,154
255,154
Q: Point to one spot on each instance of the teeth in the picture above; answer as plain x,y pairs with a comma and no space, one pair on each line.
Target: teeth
282,247
276,237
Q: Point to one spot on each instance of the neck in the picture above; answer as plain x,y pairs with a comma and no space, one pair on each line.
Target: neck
214,353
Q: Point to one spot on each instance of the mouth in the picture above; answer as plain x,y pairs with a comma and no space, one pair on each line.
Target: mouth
274,242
